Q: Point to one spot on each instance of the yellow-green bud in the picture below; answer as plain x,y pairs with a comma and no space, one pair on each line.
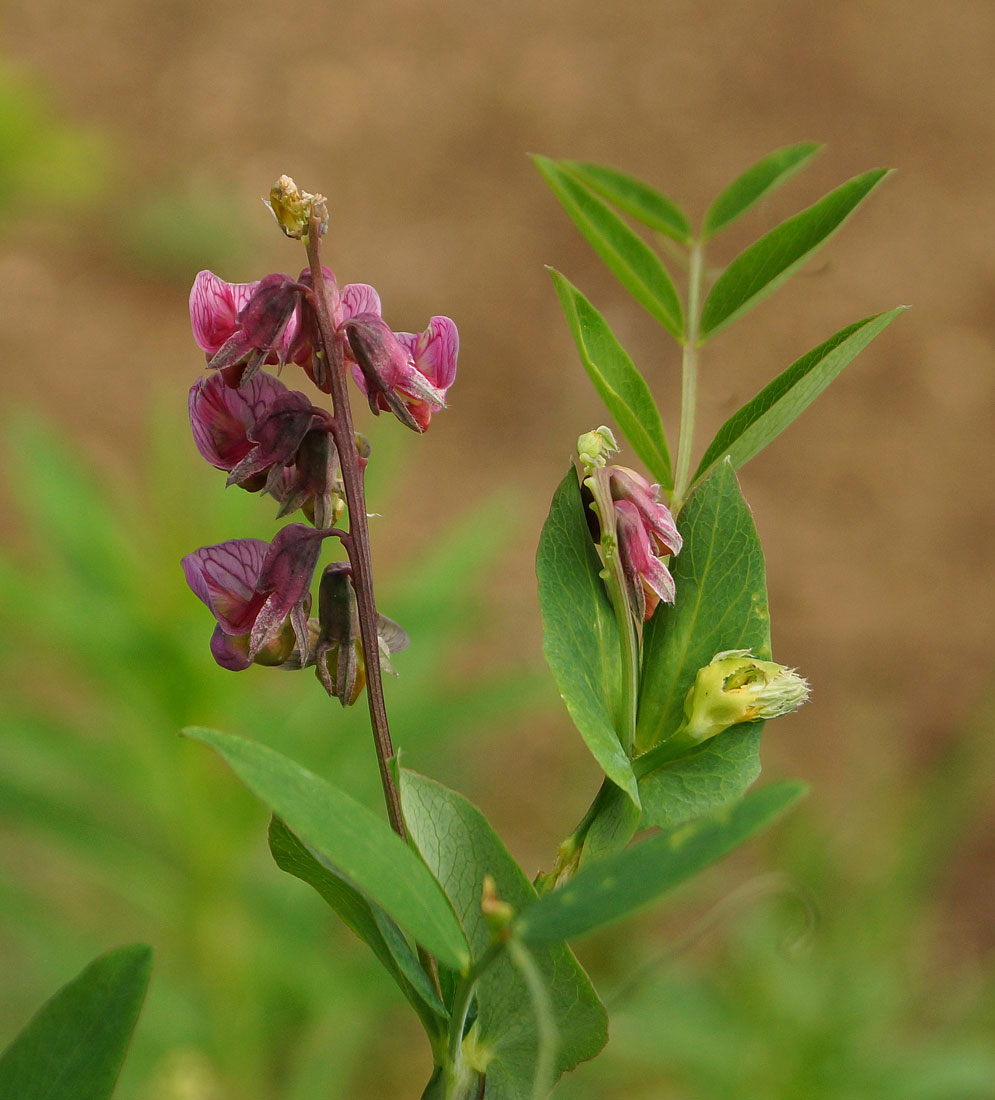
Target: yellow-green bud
497,913
737,687
595,448
292,208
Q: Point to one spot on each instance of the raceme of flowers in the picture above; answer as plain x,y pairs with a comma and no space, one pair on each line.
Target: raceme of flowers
272,439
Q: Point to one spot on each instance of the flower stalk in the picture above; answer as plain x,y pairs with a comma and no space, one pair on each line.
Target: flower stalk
357,542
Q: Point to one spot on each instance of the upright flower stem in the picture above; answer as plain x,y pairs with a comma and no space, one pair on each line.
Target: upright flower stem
689,375
358,544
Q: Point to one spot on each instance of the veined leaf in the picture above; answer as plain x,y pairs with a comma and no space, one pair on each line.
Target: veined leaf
634,197
627,256
757,181
74,1046
606,890
721,603
362,847
757,270
615,377
460,847
369,922
580,634
757,423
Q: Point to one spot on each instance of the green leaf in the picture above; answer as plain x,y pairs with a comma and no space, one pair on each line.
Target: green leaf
362,848
615,377
704,780
367,920
460,847
627,256
580,634
634,197
74,1046
721,603
757,270
614,887
757,423
749,188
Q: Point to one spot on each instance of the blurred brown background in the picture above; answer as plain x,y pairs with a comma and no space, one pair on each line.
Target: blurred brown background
877,508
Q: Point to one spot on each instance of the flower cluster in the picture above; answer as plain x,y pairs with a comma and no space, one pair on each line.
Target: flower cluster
272,439
632,519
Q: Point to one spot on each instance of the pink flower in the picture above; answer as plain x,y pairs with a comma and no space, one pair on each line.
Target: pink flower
405,373
629,486
259,593
647,579
271,438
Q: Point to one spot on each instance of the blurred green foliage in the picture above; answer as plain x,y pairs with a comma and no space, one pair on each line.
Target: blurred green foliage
44,161
114,829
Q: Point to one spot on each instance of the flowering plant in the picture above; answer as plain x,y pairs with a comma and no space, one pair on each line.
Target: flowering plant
653,597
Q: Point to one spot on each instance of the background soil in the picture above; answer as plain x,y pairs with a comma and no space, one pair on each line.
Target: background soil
877,509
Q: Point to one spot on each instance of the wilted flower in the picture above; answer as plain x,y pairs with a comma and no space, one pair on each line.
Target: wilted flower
339,659
737,687
260,595
402,372
292,207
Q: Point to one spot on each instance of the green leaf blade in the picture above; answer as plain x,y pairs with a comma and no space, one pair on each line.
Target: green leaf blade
74,1046
627,256
756,182
765,264
370,923
580,634
720,604
761,420
620,385
609,889
460,847
633,197
361,846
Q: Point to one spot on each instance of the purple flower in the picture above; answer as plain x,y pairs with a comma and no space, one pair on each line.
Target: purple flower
403,372
269,437
259,593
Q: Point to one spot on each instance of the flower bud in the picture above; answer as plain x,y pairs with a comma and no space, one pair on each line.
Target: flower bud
292,208
594,448
737,687
497,913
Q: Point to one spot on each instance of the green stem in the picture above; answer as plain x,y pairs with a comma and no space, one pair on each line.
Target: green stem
456,1073
689,374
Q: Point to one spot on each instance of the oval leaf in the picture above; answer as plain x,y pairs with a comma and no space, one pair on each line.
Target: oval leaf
615,377
757,423
756,271
459,845
609,889
362,847
627,256
721,603
633,196
755,182
580,634
74,1046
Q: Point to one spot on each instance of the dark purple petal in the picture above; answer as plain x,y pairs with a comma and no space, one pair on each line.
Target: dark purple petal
231,653
276,434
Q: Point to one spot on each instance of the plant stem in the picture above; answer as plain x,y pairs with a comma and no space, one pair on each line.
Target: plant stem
689,375
358,546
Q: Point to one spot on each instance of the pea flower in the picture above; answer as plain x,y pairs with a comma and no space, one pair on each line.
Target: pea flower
402,372
272,439
259,593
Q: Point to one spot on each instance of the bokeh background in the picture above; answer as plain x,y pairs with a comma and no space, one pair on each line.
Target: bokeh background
849,954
